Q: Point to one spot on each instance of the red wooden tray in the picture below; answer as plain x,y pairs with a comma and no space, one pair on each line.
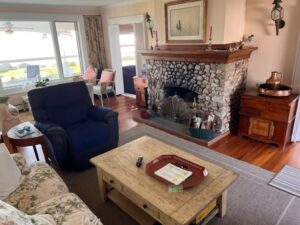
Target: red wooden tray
199,172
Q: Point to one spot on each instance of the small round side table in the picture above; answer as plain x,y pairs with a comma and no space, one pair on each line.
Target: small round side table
36,138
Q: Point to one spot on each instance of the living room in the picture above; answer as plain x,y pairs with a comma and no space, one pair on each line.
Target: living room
105,104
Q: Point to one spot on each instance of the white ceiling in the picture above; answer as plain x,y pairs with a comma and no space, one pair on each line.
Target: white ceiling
69,2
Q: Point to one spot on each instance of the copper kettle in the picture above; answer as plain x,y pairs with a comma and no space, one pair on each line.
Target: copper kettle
274,81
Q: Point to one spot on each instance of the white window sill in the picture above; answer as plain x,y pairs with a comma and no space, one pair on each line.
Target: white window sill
22,89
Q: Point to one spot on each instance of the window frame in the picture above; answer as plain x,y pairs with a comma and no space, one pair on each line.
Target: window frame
52,19
128,45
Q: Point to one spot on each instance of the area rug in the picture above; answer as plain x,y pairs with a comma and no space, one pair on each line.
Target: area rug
288,179
251,201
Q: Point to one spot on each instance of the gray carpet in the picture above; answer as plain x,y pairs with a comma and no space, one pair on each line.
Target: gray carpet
251,201
288,179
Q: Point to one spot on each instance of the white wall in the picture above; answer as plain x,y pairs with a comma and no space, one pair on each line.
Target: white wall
296,77
235,15
274,52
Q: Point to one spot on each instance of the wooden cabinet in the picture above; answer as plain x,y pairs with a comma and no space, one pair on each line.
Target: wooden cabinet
140,87
267,119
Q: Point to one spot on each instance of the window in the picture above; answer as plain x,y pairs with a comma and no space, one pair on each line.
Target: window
127,44
29,52
68,46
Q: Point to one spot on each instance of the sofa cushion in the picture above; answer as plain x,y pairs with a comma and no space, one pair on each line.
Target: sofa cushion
106,76
10,175
12,216
67,209
41,184
95,131
21,163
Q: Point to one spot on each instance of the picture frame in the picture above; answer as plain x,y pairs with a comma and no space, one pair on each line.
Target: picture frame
180,28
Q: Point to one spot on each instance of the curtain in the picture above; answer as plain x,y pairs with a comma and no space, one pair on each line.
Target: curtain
95,41
296,129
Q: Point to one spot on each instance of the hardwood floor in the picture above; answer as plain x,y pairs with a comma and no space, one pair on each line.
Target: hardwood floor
125,106
263,155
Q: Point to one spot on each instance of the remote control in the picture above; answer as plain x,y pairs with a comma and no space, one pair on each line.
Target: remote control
139,161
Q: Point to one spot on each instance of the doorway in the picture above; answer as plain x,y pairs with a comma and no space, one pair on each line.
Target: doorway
128,56
127,37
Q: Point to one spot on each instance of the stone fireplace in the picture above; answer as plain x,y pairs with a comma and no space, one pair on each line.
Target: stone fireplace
216,80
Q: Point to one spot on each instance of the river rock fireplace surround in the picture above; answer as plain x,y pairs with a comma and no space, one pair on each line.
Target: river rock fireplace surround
218,77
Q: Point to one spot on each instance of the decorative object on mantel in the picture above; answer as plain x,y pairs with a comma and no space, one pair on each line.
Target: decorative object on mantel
149,23
250,38
209,48
150,26
277,15
273,86
186,21
156,40
246,42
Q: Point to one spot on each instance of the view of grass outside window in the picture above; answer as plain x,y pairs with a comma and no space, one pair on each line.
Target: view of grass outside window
68,46
27,52
127,44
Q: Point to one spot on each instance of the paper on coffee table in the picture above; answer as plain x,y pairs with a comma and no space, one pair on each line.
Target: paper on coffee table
173,174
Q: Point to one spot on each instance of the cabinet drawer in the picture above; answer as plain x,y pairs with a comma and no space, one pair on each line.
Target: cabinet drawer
265,109
146,206
261,128
112,182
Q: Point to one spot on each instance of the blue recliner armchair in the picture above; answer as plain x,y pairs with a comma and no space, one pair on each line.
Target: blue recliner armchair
75,128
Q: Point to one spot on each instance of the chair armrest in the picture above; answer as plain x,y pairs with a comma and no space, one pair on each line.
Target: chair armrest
58,146
44,126
102,113
56,140
21,163
111,119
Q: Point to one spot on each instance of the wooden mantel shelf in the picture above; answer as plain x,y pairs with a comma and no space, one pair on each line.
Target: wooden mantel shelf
198,54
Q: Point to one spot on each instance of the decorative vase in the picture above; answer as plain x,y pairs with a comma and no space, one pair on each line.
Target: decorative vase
274,81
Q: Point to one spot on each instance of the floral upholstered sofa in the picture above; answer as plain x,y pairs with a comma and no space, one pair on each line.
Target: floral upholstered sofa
43,198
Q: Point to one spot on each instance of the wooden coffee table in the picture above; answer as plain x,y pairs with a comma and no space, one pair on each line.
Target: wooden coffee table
148,200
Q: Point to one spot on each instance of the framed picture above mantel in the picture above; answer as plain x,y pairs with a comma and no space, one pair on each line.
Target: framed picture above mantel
186,21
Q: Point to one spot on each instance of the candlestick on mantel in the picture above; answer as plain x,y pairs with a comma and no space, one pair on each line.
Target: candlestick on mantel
209,47
156,41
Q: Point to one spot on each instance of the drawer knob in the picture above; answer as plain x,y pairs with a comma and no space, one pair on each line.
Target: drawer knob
145,206
111,181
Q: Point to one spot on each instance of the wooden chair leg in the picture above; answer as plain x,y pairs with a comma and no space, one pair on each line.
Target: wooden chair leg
100,96
36,153
114,93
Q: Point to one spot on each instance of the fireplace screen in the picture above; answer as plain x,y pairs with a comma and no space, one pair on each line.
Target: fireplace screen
180,105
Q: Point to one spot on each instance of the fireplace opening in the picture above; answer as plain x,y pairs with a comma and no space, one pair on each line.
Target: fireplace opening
185,94
183,106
